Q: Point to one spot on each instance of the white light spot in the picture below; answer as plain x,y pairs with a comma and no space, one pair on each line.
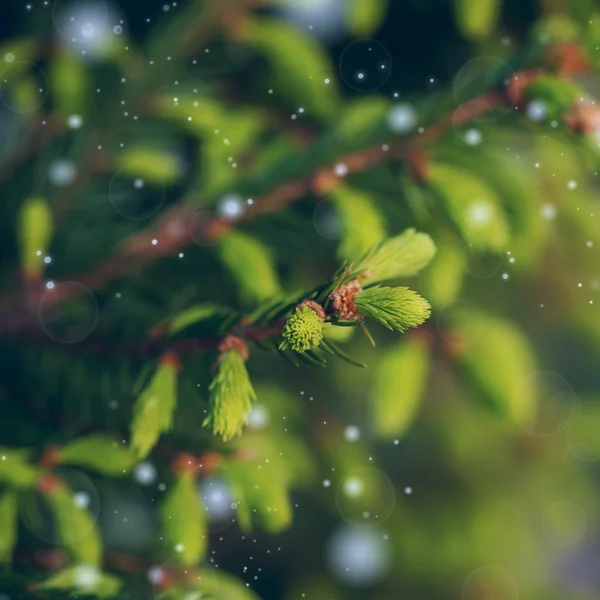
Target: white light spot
81,499
473,137
402,118
75,121
341,169
352,433
353,487
548,212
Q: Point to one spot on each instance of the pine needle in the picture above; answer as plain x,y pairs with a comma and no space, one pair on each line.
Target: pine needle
231,397
401,256
397,308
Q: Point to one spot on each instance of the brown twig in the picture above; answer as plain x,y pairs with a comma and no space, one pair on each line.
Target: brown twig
171,233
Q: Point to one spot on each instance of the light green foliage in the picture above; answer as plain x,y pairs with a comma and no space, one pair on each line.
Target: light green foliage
218,585
153,165
75,525
251,265
557,93
231,397
499,361
69,80
15,469
303,330
183,521
9,512
443,279
201,116
193,315
359,119
35,233
473,206
153,410
261,490
401,256
99,453
477,19
339,334
364,17
400,382
82,579
397,308
299,64
362,223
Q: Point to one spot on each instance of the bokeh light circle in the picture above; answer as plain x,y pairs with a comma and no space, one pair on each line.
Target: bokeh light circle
365,497
365,65
39,518
491,583
481,265
556,403
564,523
23,87
219,503
358,557
134,197
327,222
583,438
477,77
80,21
68,312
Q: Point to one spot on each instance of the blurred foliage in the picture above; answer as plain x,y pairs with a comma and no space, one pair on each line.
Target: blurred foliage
211,212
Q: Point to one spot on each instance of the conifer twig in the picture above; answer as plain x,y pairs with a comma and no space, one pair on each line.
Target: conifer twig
171,233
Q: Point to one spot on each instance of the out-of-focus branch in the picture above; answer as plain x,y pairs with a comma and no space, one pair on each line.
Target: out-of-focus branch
172,233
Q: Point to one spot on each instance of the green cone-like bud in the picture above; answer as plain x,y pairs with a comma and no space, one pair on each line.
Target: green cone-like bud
397,308
303,330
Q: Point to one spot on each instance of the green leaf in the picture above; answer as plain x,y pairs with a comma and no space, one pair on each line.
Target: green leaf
401,256
400,382
477,19
82,579
231,397
193,315
300,66
218,585
443,279
557,93
75,525
69,82
15,469
9,512
362,223
99,453
497,360
365,16
251,264
152,165
153,410
360,119
397,308
183,521
472,205
35,232
260,489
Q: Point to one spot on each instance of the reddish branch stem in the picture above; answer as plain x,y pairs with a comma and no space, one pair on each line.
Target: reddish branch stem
172,232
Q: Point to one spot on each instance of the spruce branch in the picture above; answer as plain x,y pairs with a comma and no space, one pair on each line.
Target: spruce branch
171,233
